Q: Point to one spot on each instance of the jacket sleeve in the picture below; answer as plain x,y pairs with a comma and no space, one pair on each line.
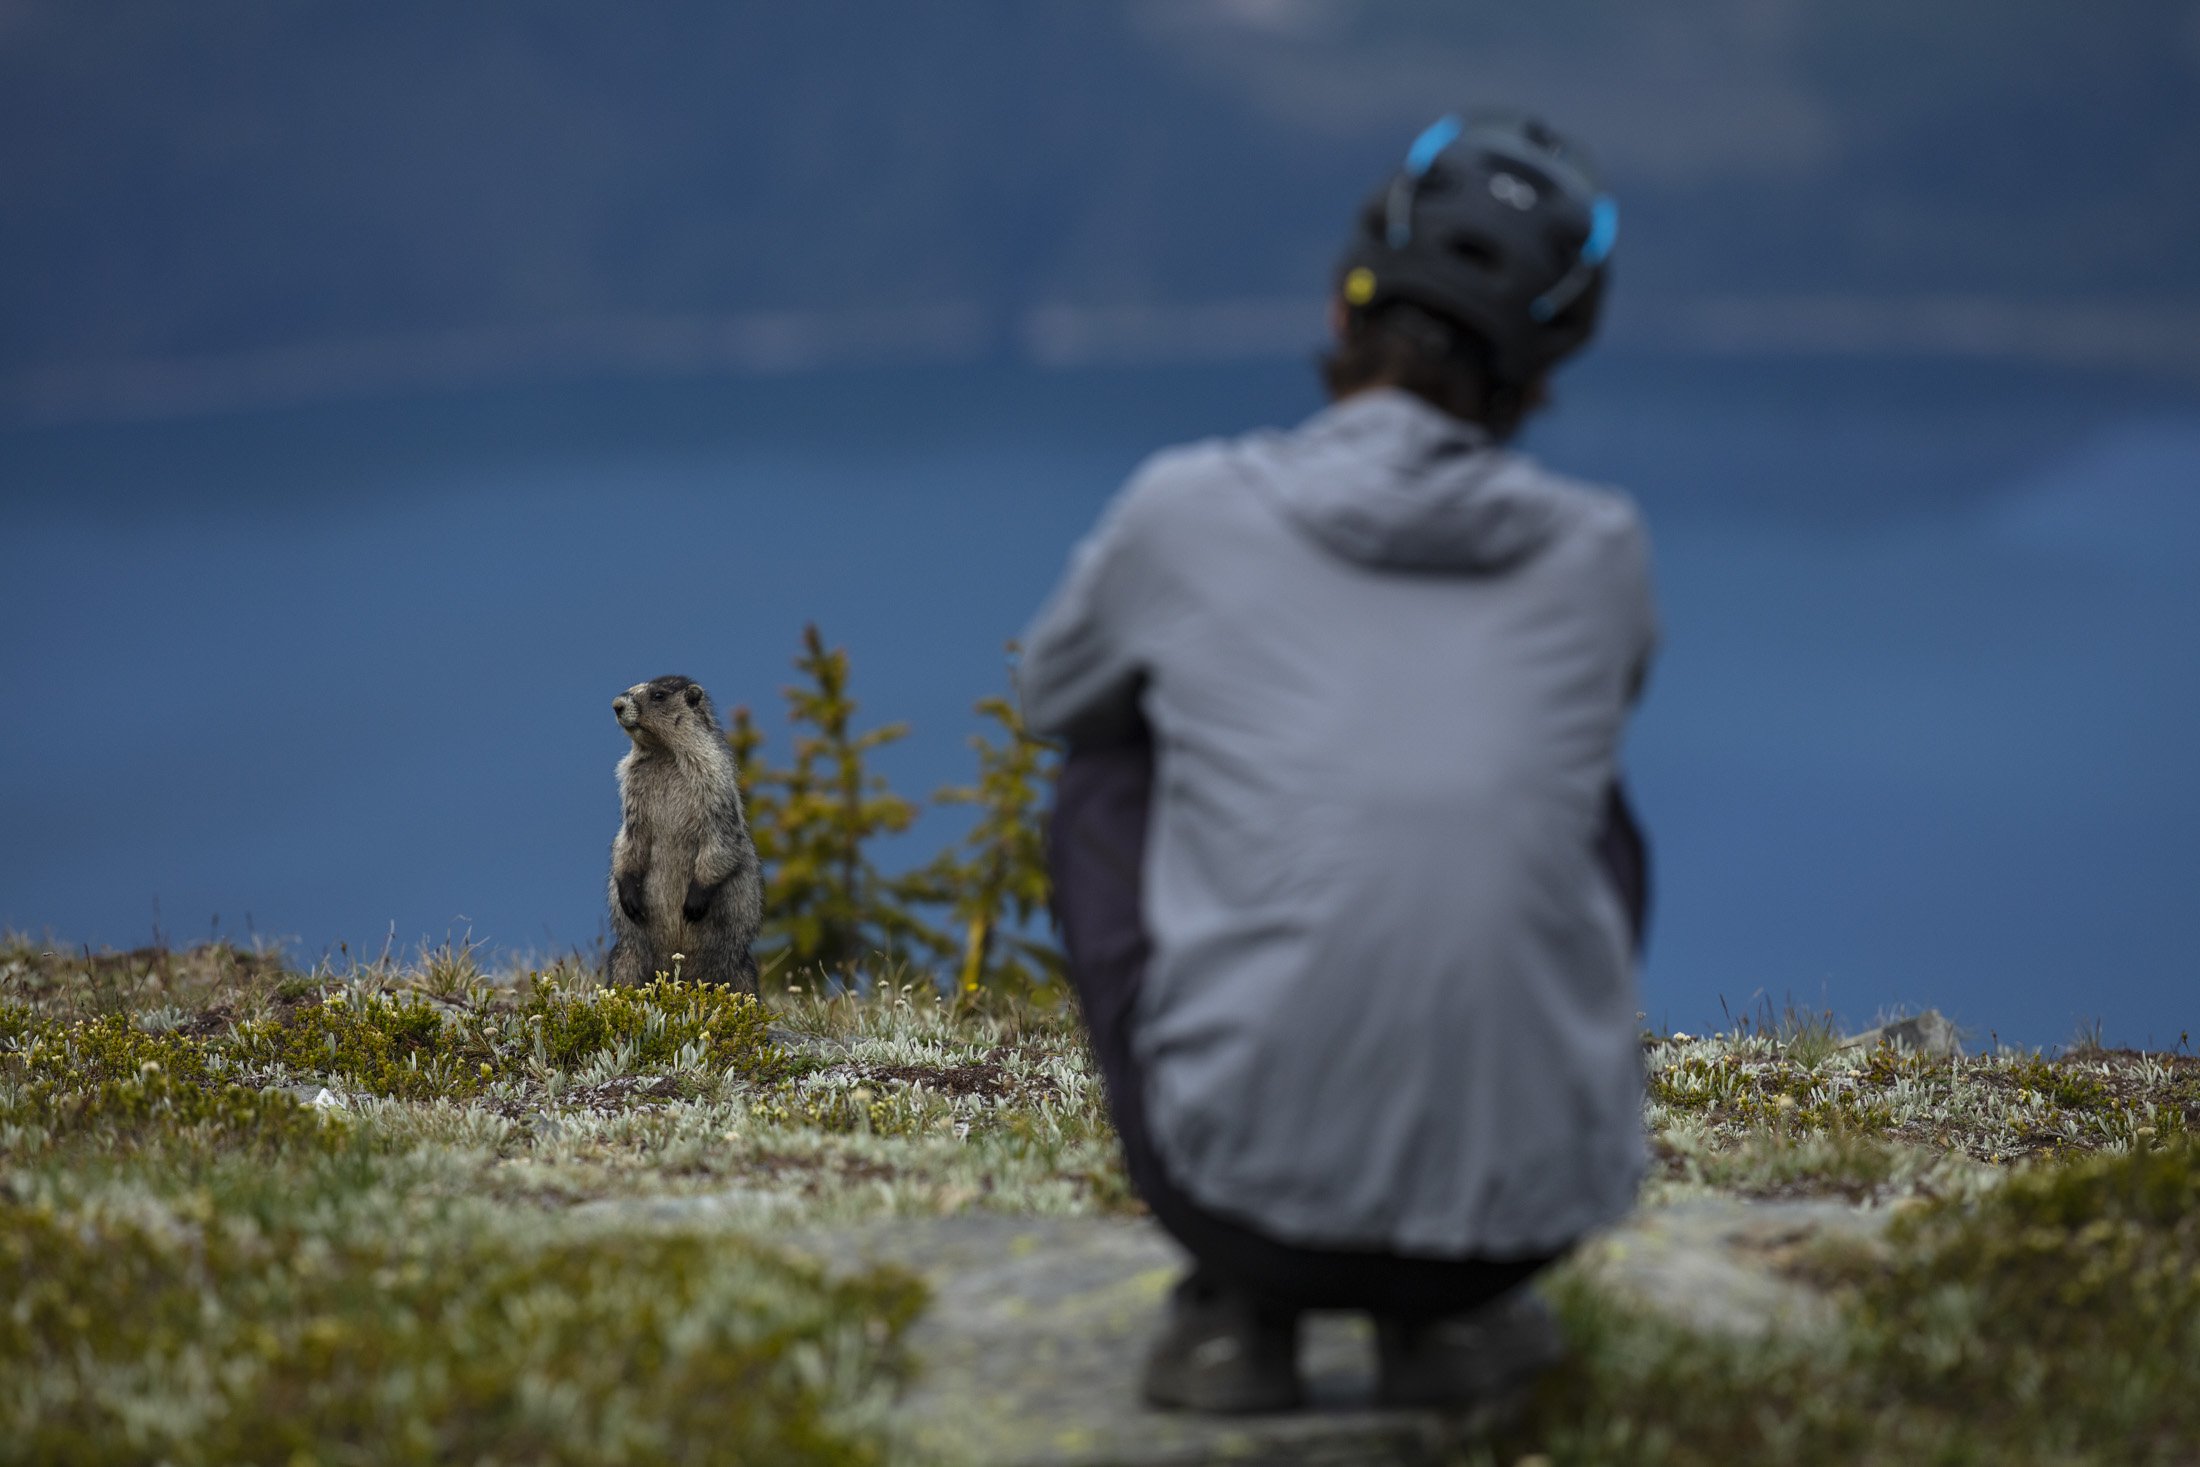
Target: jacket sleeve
1082,673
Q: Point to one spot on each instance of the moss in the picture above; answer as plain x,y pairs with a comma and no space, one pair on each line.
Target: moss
104,1085
1727,1090
1848,1164
410,1047
2072,1295
2056,1320
386,1043
2060,1085
1641,1389
657,1023
108,1079
157,1110
204,1335
110,1048
840,1111
1786,1098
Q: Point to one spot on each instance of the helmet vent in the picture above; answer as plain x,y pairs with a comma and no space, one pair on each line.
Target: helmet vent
1474,250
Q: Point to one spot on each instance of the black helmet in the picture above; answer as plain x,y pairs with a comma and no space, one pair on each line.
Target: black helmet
1495,223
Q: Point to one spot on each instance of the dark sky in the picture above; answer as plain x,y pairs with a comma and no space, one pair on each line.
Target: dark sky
244,200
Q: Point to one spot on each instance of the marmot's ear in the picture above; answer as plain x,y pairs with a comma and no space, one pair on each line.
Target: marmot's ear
694,695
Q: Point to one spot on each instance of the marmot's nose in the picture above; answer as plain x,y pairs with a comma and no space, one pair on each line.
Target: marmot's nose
618,707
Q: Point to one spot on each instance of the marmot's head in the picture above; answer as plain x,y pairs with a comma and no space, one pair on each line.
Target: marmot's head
665,709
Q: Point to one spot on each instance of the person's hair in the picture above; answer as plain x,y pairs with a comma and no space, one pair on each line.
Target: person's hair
1439,361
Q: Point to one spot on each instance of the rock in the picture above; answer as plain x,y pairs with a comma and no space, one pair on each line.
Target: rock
320,1097
1718,1265
1929,1033
1031,1347
800,1041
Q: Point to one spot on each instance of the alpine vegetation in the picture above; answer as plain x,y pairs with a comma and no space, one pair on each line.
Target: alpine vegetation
419,1212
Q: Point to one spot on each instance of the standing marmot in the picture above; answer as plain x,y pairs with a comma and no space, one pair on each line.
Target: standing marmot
684,877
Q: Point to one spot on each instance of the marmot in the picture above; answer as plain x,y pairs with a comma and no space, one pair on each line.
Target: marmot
684,875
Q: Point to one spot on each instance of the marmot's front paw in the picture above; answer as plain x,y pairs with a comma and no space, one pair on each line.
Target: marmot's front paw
630,897
698,901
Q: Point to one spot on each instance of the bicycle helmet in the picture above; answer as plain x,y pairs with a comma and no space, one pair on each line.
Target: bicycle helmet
1496,224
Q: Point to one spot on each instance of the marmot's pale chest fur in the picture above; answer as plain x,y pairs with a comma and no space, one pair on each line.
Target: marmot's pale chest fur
684,876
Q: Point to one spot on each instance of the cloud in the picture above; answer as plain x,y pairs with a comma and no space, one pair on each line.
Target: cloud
1678,95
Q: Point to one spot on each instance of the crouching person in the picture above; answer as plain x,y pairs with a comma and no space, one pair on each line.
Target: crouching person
1348,887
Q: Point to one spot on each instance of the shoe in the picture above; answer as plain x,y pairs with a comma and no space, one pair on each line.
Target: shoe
1486,1359
1224,1352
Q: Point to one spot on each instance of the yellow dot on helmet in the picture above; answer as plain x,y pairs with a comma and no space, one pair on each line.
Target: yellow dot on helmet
1359,286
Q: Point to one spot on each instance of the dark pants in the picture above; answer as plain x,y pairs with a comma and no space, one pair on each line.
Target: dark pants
1096,846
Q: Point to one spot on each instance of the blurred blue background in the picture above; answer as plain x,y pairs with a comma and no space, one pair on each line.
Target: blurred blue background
384,386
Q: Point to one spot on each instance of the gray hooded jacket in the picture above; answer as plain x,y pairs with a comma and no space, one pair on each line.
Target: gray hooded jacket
1386,665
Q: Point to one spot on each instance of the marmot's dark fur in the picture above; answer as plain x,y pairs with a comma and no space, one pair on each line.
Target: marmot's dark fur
684,877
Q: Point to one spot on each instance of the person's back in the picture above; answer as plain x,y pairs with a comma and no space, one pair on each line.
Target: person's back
1384,663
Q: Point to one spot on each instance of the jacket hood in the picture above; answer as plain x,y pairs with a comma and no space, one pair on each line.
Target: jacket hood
1384,479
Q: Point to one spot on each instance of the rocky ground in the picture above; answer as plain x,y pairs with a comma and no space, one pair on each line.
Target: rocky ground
1037,1326
414,1212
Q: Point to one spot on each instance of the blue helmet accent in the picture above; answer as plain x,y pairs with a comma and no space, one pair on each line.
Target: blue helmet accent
1603,230
1434,138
